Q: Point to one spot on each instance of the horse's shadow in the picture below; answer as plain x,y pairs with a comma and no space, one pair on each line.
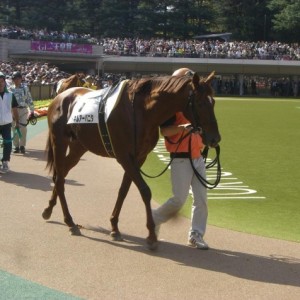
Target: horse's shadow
37,155
32,181
274,269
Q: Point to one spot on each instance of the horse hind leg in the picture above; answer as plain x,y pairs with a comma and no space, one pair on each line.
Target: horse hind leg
66,163
51,164
76,150
52,202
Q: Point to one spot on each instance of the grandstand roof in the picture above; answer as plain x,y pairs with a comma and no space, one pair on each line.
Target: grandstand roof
224,36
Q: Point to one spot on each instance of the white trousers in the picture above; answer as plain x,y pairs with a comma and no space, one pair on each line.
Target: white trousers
23,116
183,177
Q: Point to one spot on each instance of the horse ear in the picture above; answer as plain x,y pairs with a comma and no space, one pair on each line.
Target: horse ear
196,79
210,77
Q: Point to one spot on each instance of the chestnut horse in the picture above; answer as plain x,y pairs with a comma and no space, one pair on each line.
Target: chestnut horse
76,80
133,127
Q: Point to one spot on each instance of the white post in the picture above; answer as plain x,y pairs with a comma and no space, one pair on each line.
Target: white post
295,85
241,81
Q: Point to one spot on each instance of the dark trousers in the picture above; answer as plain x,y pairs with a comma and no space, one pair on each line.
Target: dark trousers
5,131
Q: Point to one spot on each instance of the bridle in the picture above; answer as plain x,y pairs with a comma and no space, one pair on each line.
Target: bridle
192,109
195,128
79,82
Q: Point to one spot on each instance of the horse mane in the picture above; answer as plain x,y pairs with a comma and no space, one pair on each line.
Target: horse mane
157,85
169,84
173,84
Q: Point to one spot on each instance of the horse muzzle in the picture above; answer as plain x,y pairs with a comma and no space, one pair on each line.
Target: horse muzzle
211,140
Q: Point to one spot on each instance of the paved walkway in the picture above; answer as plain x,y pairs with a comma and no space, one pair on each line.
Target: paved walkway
239,266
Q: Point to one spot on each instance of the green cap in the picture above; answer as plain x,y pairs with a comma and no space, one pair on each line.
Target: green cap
2,75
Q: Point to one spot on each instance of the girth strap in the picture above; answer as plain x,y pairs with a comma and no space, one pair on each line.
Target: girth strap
104,133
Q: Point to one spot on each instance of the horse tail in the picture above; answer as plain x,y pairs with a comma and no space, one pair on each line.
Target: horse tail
50,155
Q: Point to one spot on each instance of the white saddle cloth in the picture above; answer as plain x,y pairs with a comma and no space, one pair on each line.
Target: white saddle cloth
87,106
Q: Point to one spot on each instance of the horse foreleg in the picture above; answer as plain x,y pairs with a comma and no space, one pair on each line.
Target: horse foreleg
146,196
114,219
133,172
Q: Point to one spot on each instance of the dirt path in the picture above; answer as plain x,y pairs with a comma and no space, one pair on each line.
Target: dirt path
239,266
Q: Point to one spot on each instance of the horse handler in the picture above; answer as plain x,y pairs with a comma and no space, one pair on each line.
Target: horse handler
183,177
25,105
8,110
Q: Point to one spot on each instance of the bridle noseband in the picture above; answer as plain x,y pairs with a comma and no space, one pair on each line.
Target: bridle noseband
196,128
192,109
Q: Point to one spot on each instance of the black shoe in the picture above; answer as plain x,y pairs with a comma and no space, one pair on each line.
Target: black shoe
22,149
17,150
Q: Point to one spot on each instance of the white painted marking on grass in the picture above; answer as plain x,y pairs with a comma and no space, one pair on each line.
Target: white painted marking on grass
257,99
230,188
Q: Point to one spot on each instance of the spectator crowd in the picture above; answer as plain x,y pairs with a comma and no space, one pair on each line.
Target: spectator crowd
159,47
33,72
42,73
201,49
45,35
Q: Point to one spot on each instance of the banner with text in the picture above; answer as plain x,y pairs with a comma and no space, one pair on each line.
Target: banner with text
61,47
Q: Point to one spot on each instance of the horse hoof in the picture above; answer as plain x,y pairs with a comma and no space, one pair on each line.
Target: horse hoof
116,236
152,245
47,213
75,230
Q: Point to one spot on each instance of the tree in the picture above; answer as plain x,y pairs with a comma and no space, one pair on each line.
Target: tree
245,19
38,14
286,21
175,18
146,21
251,20
83,16
117,18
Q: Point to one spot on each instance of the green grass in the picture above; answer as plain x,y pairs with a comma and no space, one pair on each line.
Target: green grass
260,147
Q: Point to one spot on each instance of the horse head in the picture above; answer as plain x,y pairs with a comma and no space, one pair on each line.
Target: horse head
200,109
80,79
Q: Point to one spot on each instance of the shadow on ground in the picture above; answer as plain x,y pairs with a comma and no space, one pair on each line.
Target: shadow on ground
32,181
276,270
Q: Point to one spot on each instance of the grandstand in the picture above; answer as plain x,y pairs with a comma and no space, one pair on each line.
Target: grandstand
97,59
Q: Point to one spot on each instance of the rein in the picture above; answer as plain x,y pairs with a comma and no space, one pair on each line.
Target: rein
32,120
168,165
195,128
216,160
190,105
16,132
203,181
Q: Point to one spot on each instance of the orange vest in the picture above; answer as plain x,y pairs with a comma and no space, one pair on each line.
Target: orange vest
196,142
